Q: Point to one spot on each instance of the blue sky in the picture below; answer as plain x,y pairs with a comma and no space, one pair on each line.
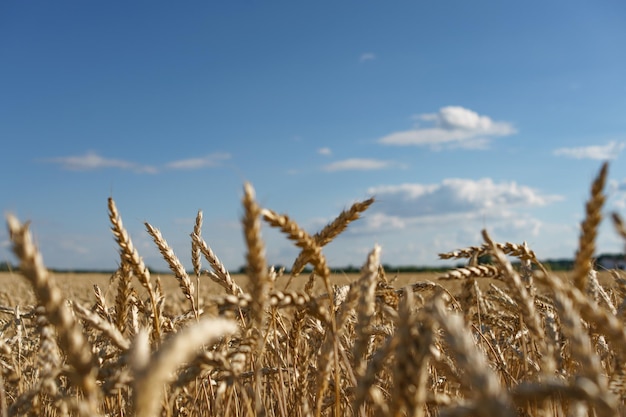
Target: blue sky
456,115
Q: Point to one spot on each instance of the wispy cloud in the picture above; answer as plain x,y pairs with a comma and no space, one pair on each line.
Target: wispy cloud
324,151
452,127
208,161
92,161
367,56
358,164
599,152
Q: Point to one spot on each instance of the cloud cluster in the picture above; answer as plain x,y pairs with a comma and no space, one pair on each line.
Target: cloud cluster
452,127
91,161
415,221
597,152
399,206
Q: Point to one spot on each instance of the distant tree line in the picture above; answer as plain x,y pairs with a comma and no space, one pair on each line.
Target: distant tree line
550,264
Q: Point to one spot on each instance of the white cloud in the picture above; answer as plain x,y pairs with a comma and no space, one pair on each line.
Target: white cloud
444,216
453,127
367,56
456,196
599,152
358,164
92,161
208,161
324,151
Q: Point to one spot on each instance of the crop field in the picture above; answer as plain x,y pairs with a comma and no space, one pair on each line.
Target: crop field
15,290
499,336
78,286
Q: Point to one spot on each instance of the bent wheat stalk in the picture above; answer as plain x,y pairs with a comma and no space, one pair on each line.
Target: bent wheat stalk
330,231
155,370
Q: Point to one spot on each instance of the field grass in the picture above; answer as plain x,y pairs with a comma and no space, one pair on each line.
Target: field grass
479,340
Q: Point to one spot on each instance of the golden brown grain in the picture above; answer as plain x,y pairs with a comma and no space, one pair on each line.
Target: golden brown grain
493,337
589,230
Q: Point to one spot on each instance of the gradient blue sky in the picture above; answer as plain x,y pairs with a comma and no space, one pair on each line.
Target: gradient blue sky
456,115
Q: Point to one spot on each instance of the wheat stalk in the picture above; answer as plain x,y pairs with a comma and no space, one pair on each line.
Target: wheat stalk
152,371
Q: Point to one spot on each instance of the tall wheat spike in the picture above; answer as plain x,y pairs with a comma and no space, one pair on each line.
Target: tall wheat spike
130,255
260,284
589,230
196,259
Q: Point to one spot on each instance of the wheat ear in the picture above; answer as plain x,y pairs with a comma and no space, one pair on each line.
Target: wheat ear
303,240
71,338
589,230
104,326
219,274
196,259
331,230
590,370
130,255
365,310
415,338
520,293
175,266
123,296
256,263
260,284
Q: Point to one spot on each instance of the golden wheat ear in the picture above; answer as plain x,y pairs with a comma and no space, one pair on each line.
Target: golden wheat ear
129,255
175,265
220,273
330,231
70,336
589,230
257,269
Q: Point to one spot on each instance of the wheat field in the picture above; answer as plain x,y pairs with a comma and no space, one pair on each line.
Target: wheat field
501,338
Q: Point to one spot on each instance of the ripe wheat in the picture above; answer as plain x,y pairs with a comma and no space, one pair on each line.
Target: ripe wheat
514,339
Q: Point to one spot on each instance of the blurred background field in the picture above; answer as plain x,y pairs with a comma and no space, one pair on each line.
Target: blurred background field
15,290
